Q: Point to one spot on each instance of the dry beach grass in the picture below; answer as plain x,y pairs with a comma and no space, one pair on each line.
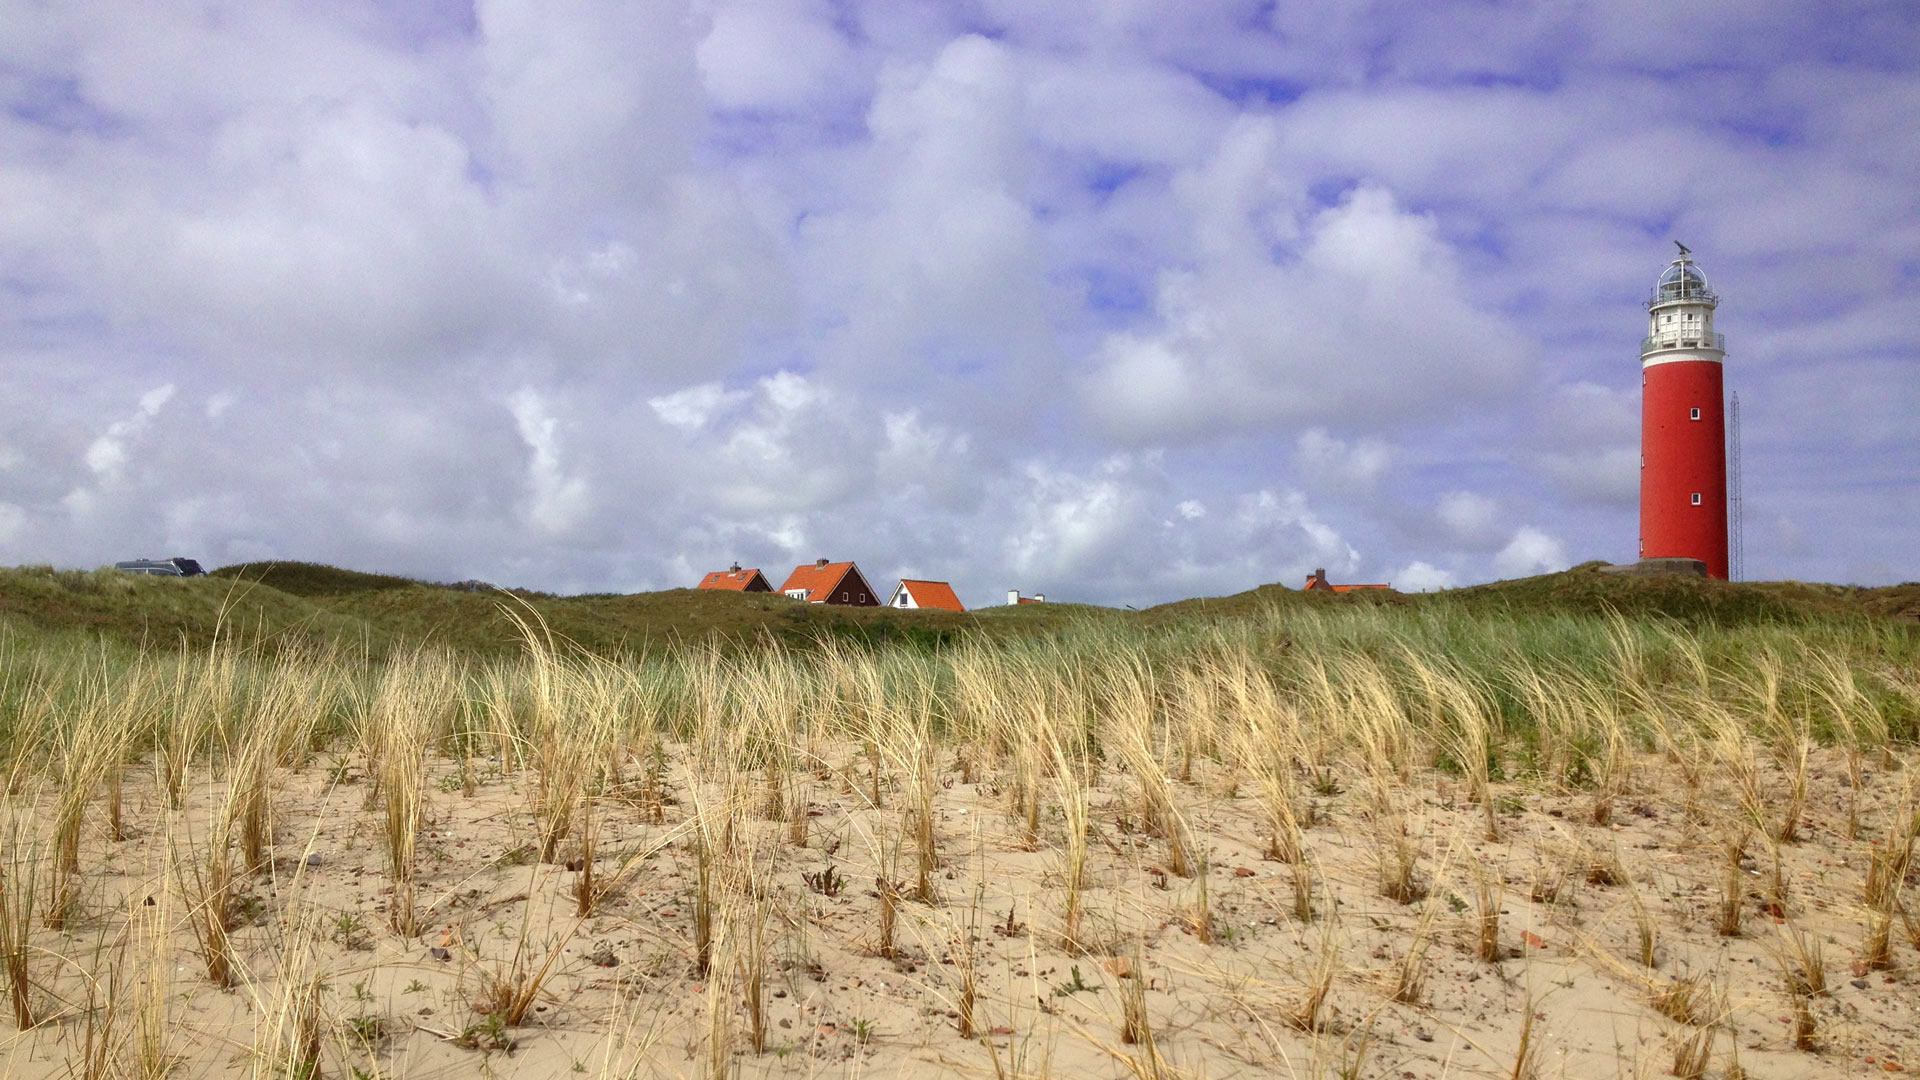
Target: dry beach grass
1340,843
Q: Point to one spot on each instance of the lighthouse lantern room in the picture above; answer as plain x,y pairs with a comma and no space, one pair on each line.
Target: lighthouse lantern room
1683,440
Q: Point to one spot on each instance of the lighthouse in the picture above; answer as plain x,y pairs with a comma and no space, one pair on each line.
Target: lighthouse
1683,431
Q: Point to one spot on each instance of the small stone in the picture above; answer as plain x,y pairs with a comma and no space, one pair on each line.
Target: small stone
314,859
1241,871
1859,984
439,953
1423,1034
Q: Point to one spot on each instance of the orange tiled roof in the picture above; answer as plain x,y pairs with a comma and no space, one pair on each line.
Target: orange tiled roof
932,594
1318,580
816,579
736,580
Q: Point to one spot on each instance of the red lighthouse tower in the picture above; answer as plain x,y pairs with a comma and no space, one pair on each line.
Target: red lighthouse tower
1683,431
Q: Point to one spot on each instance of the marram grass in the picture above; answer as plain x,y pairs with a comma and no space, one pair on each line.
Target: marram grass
1095,847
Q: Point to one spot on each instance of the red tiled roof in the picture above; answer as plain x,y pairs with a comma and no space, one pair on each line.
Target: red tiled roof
1318,580
816,579
736,580
932,594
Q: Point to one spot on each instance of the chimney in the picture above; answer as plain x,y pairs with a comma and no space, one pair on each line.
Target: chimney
734,569
819,563
1013,596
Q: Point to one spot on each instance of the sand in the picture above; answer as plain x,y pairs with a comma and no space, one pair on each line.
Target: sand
621,995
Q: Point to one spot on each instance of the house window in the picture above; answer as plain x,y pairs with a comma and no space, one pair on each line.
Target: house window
1696,498
1693,414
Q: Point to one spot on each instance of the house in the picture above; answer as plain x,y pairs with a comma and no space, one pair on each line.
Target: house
1318,582
924,594
735,579
830,583
1014,597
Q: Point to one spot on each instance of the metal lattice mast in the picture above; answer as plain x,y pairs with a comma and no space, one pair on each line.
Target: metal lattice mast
1739,517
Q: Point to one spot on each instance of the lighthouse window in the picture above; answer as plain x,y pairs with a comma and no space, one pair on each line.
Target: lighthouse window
1693,414
1696,498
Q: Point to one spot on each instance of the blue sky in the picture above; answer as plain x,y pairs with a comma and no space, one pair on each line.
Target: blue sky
1121,302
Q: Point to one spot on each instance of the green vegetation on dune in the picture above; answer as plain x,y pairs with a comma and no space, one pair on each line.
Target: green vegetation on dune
312,579
1392,753
1587,590
378,615
273,605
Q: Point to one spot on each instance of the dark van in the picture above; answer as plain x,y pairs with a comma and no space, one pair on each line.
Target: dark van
174,567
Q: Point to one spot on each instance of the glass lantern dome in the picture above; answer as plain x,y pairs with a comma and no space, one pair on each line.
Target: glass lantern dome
1682,280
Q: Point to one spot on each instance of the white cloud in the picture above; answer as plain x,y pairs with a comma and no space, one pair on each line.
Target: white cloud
1423,577
691,409
772,56
1472,520
1336,463
107,455
556,501
1365,320
1531,551
1069,523
1011,292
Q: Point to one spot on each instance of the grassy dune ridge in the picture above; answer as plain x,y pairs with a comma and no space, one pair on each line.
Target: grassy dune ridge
274,605
365,826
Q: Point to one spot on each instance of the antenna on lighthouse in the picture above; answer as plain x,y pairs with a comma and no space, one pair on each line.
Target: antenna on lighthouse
1739,519
1684,249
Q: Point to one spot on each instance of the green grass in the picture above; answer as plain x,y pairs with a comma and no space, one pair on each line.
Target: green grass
268,608
271,606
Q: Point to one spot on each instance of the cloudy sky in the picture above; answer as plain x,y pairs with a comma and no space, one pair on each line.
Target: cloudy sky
1118,301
